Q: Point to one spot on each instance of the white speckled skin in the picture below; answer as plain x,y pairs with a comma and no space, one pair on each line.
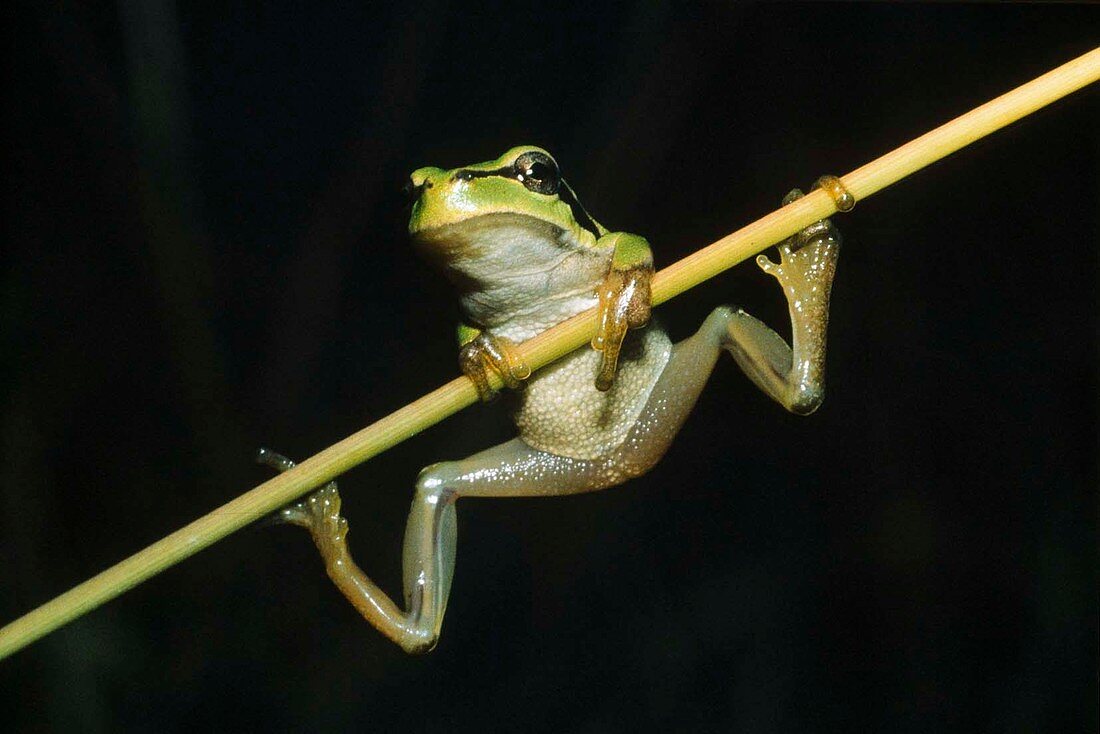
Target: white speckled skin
521,264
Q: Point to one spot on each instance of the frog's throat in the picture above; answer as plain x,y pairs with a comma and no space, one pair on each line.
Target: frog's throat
493,244
508,264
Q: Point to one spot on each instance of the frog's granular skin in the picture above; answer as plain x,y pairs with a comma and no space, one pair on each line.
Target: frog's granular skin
561,412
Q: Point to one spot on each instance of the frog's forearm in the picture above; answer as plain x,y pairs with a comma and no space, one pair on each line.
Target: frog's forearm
624,298
466,334
628,251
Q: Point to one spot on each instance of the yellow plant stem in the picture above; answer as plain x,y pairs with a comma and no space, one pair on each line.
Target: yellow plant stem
562,339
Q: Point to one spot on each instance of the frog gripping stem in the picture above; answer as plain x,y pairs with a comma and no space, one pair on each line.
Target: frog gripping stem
624,305
836,190
625,299
486,353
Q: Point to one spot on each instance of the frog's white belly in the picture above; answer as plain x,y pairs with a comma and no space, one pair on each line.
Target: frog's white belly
561,412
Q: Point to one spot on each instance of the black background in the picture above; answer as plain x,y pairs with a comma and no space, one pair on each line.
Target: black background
205,253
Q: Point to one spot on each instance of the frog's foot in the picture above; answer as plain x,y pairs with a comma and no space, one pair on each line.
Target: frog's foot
319,513
416,630
807,263
624,301
794,376
485,354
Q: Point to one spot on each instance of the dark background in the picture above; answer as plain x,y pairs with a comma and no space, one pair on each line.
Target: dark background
204,253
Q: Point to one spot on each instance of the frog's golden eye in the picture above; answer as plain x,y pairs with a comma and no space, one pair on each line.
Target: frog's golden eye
538,172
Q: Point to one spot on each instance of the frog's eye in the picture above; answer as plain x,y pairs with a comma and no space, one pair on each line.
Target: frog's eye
538,172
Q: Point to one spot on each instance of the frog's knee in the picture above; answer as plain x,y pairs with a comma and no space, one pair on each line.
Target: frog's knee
419,642
806,400
717,323
724,313
431,485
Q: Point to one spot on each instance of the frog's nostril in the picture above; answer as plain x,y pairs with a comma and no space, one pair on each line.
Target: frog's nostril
413,189
423,176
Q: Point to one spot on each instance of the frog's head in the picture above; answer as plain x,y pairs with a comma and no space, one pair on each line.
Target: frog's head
509,205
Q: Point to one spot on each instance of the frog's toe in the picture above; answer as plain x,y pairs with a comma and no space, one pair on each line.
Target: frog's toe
295,514
766,264
275,460
319,513
821,233
792,196
839,193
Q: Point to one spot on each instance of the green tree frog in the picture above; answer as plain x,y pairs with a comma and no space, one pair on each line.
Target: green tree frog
524,255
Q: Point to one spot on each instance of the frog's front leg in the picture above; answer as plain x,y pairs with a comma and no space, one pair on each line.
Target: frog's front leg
624,298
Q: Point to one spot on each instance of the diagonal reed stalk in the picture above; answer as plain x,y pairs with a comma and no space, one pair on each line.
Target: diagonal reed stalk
544,348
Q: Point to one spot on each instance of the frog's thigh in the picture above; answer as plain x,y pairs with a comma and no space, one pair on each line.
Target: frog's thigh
758,350
515,469
674,395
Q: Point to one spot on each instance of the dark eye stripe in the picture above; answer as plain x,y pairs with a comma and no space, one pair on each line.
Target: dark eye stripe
466,174
565,194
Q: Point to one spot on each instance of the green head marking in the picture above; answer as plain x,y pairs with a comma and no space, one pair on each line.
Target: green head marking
524,181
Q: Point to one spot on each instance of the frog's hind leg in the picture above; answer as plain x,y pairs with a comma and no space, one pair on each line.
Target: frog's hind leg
793,376
319,513
512,469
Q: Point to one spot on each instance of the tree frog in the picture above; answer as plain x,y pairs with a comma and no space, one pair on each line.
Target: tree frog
524,255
